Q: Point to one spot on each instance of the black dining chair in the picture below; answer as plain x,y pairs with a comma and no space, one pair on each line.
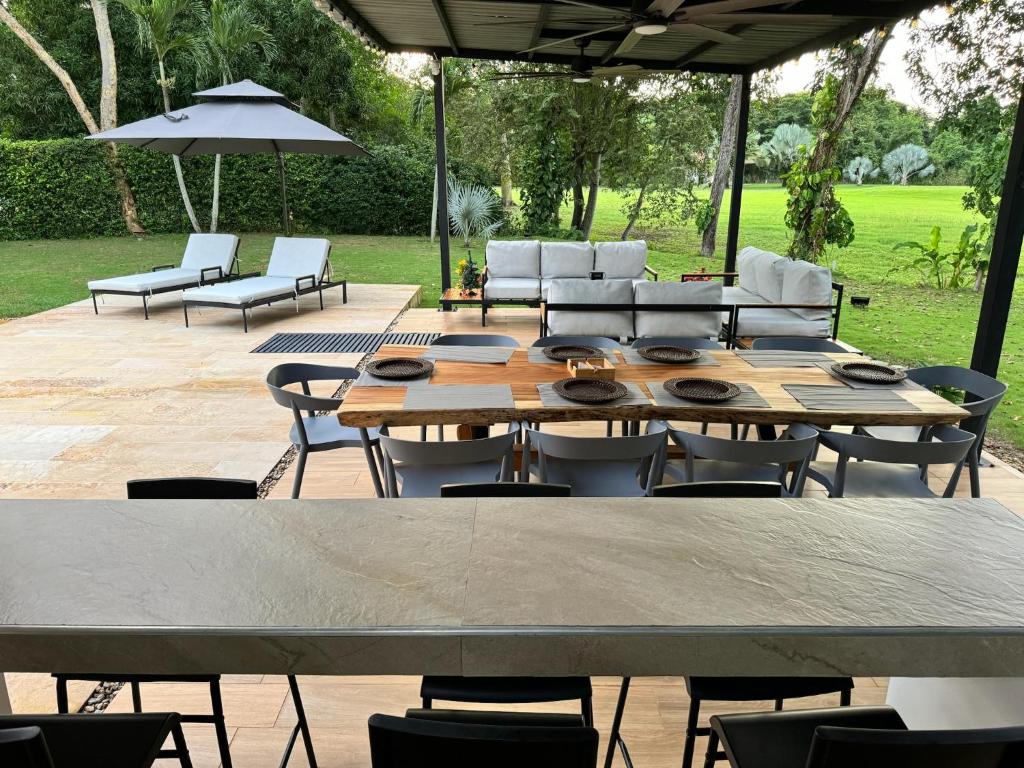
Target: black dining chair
192,488
101,741
466,739
725,489
509,489
474,340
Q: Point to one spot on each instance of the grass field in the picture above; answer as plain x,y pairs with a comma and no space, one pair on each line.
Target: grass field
905,323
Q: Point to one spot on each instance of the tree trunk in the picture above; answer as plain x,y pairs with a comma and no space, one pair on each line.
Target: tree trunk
595,182
979,279
634,212
128,209
108,66
175,160
506,174
722,165
578,200
215,205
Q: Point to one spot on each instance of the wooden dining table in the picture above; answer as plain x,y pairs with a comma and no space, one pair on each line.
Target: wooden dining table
372,406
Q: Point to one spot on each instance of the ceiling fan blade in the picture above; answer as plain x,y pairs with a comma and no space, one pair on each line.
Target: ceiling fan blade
708,33
781,19
593,6
601,71
663,7
628,44
530,76
722,6
588,33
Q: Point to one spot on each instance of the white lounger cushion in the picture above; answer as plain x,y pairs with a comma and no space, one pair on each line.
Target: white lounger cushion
299,257
144,282
705,325
806,283
612,324
621,259
566,260
513,258
237,292
512,288
210,250
779,322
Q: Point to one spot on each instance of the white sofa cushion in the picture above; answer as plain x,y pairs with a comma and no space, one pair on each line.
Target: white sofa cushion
699,324
746,265
566,260
512,288
236,292
614,324
806,283
298,257
513,258
144,282
769,268
752,323
205,250
733,294
620,259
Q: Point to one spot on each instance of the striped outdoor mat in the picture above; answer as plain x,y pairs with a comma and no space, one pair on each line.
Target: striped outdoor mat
769,358
817,397
341,342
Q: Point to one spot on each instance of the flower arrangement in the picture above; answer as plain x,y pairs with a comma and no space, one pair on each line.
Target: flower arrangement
468,274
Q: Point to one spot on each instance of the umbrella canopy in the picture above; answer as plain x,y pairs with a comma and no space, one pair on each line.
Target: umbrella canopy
238,119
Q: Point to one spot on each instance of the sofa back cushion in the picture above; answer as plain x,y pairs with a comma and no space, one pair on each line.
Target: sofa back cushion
296,257
209,250
806,283
566,260
746,262
614,324
769,267
513,258
621,259
704,325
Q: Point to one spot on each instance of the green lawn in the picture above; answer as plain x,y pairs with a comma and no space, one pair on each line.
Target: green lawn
905,323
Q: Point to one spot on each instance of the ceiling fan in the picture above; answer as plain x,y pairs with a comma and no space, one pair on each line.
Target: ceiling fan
583,70
654,17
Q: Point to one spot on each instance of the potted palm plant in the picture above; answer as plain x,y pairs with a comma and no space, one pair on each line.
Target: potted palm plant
475,211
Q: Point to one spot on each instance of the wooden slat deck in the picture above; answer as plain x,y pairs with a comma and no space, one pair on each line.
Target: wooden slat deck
370,406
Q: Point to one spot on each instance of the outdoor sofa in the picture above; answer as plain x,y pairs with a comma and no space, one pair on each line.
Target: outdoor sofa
520,272
208,259
298,266
778,296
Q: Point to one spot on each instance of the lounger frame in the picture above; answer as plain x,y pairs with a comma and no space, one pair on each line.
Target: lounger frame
315,286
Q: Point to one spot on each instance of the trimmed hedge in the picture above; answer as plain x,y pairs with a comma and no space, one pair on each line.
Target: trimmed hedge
63,188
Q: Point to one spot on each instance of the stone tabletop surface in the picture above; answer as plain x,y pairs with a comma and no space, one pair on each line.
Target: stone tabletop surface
507,586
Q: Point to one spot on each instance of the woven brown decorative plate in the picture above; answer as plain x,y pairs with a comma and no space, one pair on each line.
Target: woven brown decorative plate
873,373
563,352
589,390
399,367
702,390
664,353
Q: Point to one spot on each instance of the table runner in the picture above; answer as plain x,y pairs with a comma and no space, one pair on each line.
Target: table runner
781,359
469,354
634,396
818,397
441,396
747,398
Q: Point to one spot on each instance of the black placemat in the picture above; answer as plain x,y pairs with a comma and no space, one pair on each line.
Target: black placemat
747,398
825,397
634,396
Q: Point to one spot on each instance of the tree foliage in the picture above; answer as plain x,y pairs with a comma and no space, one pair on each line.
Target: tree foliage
859,169
784,146
906,162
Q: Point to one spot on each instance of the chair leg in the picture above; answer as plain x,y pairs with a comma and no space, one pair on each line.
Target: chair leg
440,432
136,697
691,733
218,724
62,696
778,705
844,698
302,726
734,431
609,429
613,736
428,703
711,756
181,747
185,308
145,307
245,321
746,432
972,468
704,428
300,469
95,308
587,710
423,432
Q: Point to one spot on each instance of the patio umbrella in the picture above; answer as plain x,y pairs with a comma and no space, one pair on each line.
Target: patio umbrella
242,118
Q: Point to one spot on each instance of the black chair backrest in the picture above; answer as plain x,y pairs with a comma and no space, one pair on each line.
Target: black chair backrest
492,490
726,489
474,340
857,747
107,741
192,488
399,742
24,748
797,344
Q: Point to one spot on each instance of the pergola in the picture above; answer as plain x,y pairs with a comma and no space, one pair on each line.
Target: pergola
720,36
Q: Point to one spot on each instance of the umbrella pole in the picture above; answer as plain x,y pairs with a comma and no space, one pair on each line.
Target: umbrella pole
285,223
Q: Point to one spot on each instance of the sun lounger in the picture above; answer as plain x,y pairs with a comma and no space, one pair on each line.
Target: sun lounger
298,265
209,258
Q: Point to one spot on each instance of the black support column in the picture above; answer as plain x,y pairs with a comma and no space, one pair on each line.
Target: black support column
736,196
1002,272
440,138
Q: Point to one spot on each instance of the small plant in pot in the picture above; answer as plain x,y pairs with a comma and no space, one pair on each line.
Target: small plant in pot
474,211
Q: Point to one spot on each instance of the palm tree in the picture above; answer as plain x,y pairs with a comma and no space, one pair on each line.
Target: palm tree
233,30
157,21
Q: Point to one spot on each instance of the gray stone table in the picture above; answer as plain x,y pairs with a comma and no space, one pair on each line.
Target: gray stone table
496,586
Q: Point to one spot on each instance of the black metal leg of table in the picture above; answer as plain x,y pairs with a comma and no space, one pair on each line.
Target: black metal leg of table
766,432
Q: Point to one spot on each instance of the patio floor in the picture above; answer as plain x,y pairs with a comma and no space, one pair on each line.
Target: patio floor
89,402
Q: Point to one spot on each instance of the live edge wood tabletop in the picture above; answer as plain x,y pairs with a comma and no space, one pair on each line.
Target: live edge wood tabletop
368,406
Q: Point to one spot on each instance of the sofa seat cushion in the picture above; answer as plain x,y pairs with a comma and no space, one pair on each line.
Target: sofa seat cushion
704,325
206,249
513,258
621,259
144,282
806,283
296,257
525,288
613,324
566,260
752,323
237,292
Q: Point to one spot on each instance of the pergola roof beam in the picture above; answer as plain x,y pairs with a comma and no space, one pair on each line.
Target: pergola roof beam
446,23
